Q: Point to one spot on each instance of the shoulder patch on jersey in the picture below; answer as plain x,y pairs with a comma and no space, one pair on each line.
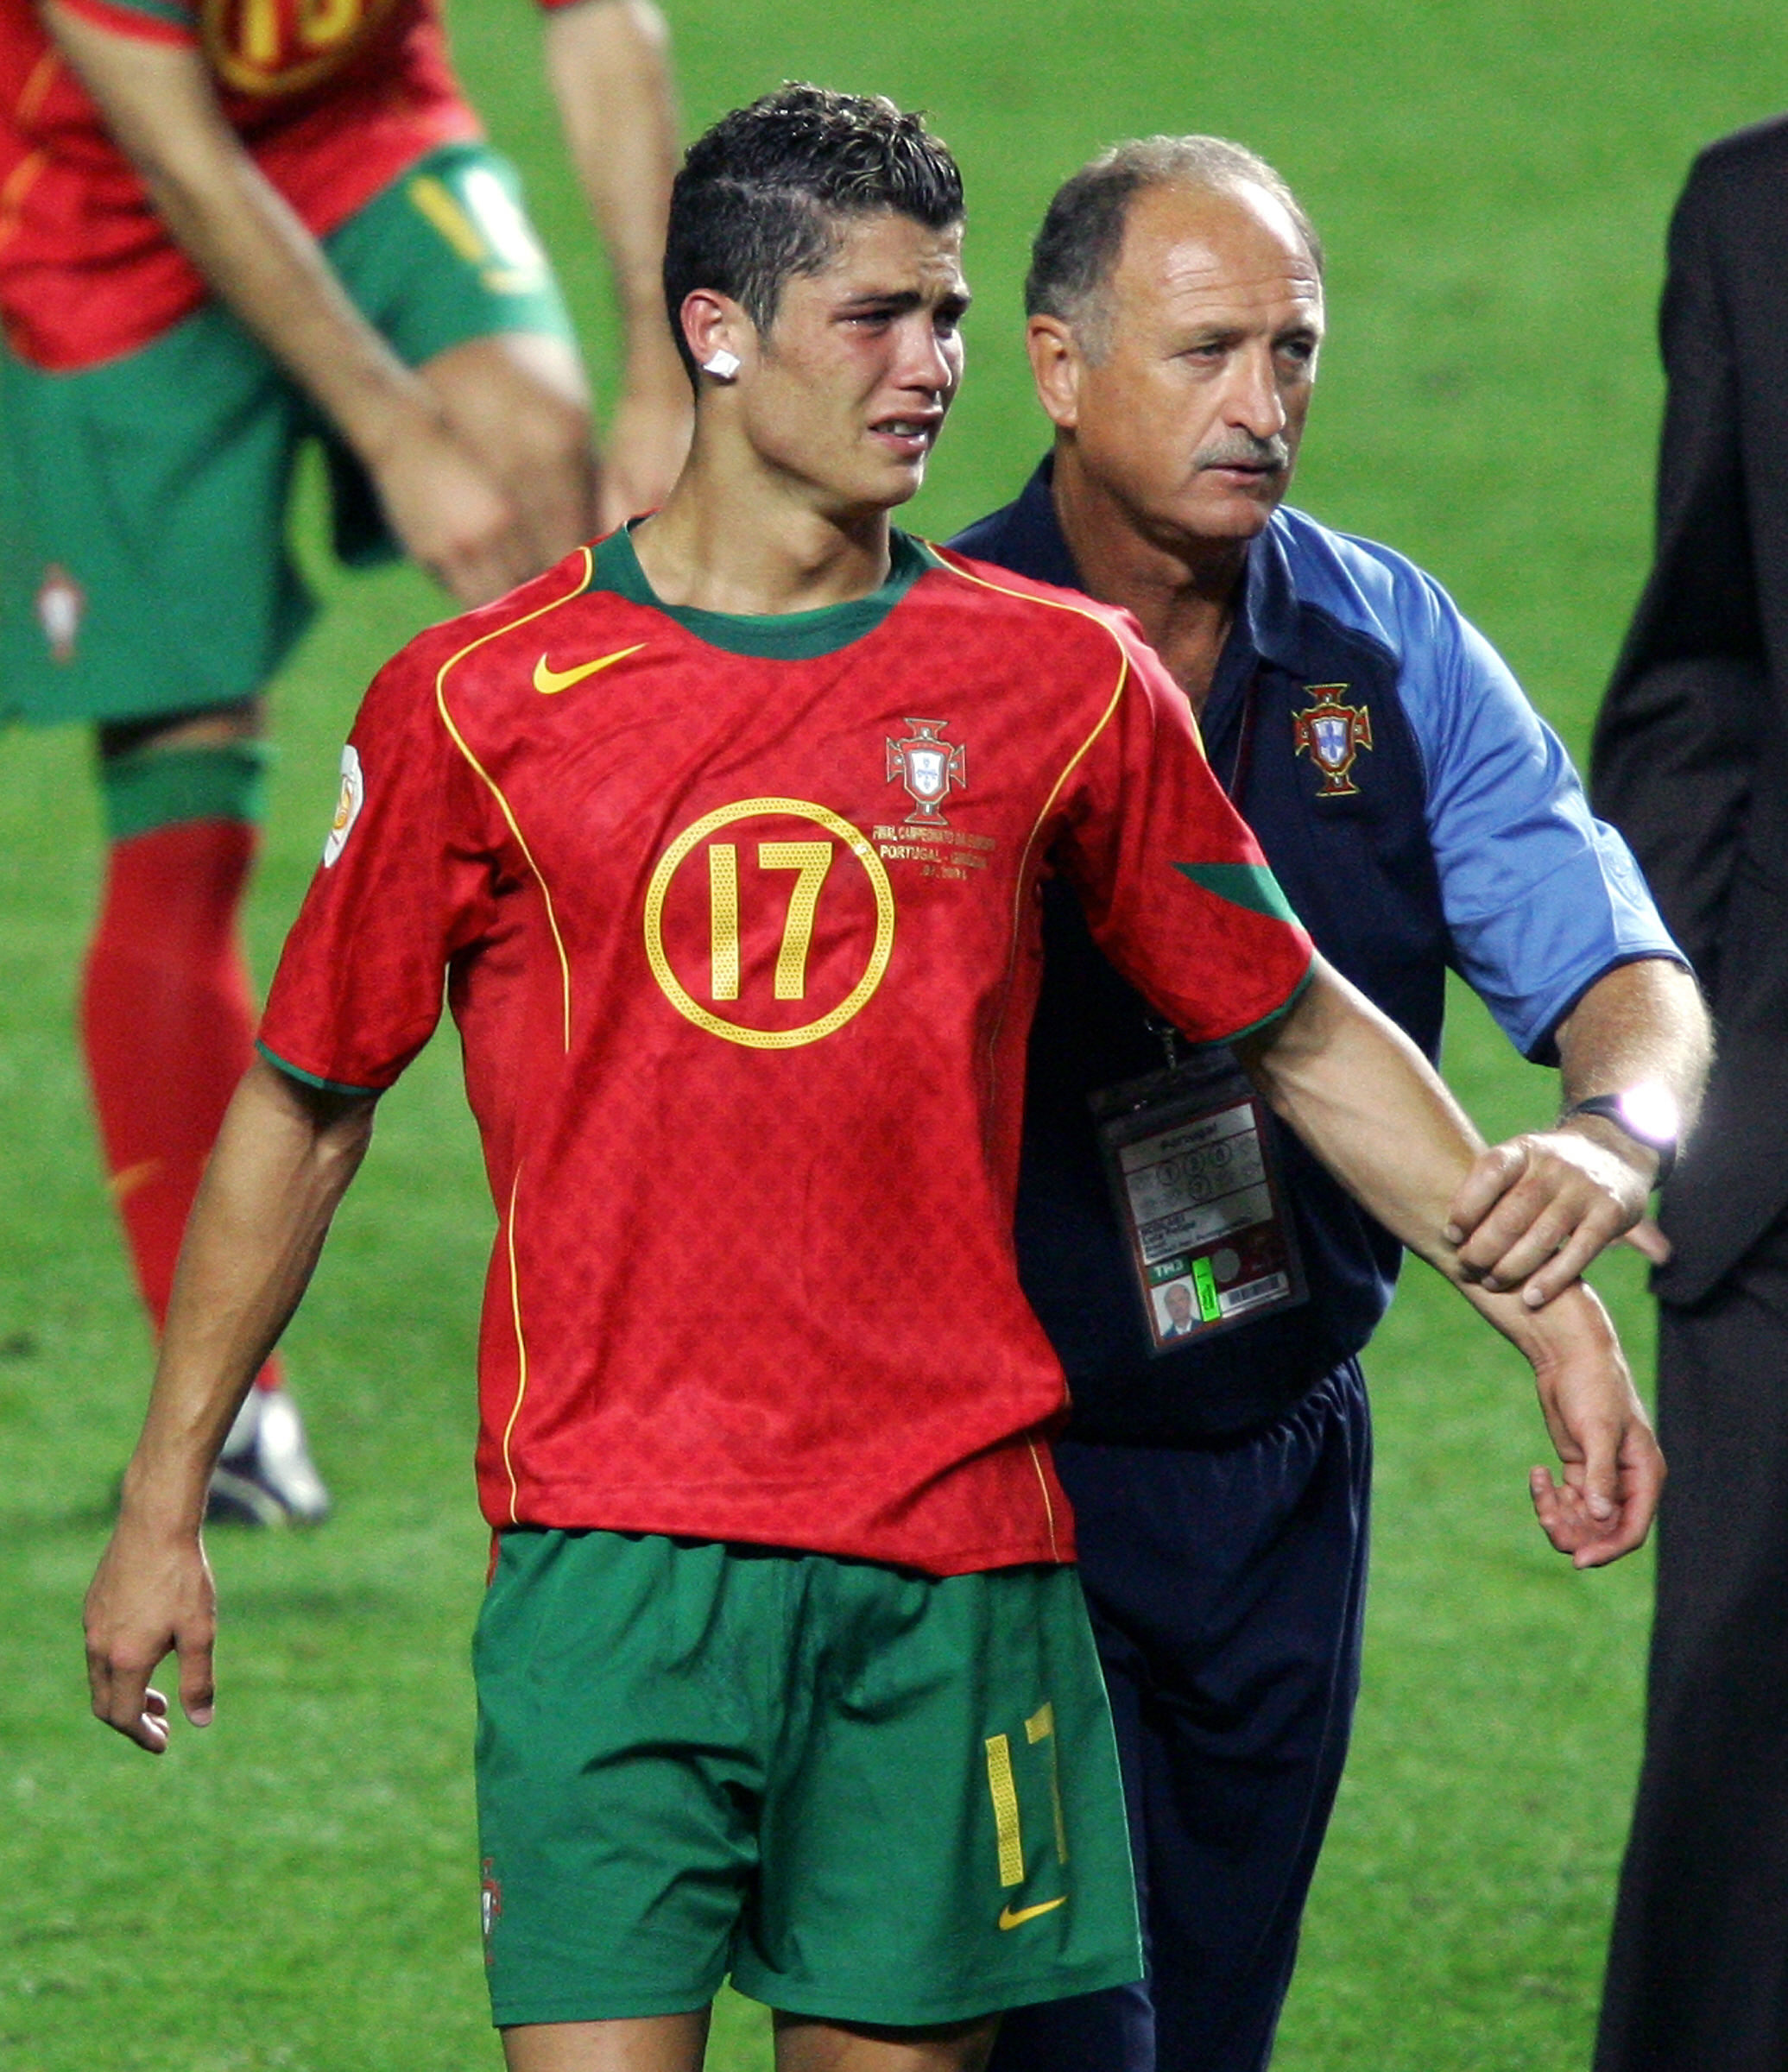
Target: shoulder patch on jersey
347,805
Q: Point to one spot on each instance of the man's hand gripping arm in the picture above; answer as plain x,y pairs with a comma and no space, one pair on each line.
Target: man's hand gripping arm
1538,1208
1368,1104
283,1160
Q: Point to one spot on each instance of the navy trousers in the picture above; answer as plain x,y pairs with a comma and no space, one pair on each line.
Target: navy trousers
1226,1587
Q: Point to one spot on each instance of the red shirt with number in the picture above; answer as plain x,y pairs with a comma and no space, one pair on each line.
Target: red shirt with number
332,99
739,921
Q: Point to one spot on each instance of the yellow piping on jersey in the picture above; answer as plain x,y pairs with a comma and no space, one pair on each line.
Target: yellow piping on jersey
1080,611
440,700
509,1466
1048,1506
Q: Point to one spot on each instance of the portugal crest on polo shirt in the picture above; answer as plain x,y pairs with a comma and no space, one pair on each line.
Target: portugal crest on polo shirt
1331,734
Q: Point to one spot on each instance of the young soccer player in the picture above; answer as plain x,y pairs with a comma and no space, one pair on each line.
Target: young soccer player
225,231
727,835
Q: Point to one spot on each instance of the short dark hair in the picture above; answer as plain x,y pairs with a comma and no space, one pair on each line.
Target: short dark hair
757,196
1082,231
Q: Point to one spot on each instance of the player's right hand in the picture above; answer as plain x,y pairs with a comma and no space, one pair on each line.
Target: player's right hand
451,516
151,1595
1613,1469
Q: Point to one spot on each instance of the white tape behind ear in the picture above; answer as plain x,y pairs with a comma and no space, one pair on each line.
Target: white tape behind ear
723,364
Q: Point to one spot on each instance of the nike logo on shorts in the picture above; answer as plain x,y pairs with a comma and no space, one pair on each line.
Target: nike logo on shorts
548,681
1013,1917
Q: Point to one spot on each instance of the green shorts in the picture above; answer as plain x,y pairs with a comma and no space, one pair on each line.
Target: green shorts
870,1796
144,565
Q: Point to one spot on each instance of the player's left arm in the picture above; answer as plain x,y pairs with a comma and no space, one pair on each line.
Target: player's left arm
609,64
1537,1209
1372,1109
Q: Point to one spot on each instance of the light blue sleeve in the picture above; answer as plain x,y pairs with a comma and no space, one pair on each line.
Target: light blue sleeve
1540,897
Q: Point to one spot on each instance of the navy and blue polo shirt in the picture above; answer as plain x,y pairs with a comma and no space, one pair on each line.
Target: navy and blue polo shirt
1455,835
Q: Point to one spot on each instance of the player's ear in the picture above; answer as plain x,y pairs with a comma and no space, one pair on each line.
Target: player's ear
720,334
1056,362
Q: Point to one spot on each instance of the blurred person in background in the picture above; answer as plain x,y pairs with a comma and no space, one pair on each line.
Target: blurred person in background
1690,759
1419,815
224,231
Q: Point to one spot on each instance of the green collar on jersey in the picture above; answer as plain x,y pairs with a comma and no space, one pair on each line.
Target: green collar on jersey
777,636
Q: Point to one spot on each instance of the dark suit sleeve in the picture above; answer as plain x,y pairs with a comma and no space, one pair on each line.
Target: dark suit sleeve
1676,746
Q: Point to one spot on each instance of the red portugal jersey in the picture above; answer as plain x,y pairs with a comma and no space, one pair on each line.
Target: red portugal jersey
739,920
332,98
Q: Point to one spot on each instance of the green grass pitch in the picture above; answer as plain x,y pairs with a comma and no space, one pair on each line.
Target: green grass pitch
296,1888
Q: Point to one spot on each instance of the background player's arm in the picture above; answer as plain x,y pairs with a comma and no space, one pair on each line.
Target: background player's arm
1571,1190
258,257
607,60
283,1160
1368,1104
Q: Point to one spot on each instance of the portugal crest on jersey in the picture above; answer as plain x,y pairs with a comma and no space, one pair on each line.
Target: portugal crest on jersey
1331,734
927,767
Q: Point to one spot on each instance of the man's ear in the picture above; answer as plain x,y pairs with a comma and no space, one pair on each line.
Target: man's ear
1056,364
714,323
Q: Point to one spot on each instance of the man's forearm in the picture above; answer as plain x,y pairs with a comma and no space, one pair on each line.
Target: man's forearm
1370,1107
242,235
1640,1023
283,1158
608,63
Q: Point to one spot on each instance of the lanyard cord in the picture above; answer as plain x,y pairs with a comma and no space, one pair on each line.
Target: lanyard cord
1242,766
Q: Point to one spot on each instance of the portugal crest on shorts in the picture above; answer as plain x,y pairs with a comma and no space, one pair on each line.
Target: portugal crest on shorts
927,767
1331,734
489,1903
60,602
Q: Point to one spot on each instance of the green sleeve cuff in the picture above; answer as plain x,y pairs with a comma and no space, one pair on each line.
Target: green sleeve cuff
1283,1007
326,1086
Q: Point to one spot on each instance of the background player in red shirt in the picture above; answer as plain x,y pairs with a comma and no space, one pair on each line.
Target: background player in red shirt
225,228
743,957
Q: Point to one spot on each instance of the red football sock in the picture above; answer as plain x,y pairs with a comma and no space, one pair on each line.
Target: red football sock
168,1025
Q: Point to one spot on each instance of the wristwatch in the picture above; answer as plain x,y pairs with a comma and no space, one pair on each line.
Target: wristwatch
1647,1114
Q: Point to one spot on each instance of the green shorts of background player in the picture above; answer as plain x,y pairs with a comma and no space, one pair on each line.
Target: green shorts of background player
868,1794
147,586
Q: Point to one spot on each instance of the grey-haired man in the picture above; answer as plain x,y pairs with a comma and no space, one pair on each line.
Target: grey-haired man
1420,816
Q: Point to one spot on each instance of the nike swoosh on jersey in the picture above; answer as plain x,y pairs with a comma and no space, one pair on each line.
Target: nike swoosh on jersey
548,681
1011,1918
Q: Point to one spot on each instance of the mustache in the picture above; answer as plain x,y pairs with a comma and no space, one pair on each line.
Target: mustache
1242,450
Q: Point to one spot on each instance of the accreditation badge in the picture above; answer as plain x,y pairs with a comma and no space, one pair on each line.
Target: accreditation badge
1198,1195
